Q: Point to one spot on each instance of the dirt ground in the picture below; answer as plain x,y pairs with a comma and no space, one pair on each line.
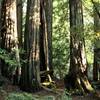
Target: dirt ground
57,95
9,88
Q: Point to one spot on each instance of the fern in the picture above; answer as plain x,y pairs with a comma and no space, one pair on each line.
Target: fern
8,58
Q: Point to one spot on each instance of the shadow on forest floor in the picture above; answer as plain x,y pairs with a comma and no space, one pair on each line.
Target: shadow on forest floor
13,92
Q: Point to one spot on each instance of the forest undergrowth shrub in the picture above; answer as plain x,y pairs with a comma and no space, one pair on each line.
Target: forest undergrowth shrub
20,96
65,96
8,57
10,60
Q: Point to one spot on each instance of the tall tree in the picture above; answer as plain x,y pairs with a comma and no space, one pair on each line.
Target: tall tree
78,64
37,44
9,35
31,46
96,66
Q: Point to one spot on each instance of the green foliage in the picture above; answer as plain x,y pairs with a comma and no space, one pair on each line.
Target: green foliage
8,57
60,37
20,96
89,30
65,96
48,98
27,96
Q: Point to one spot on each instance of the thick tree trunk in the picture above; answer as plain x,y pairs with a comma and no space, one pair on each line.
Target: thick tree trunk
37,42
96,66
2,33
30,78
9,36
78,64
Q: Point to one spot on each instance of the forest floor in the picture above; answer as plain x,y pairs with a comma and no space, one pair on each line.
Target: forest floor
88,97
8,88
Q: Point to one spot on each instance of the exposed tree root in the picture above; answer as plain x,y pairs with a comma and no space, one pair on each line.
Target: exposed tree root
84,85
79,82
49,89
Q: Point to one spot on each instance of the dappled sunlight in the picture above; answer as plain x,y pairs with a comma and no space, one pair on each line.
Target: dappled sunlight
49,47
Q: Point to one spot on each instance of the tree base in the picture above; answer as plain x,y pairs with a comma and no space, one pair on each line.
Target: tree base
79,82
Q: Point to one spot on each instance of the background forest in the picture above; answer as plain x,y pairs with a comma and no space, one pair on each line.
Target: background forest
50,48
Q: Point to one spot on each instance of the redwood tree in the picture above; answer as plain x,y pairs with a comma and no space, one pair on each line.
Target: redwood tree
9,36
78,65
37,45
96,66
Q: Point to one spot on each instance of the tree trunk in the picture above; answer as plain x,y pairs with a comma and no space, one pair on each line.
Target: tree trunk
19,4
78,64
45,38
48,11
9,35
20,22
37,42
30,78
96,66
2,34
